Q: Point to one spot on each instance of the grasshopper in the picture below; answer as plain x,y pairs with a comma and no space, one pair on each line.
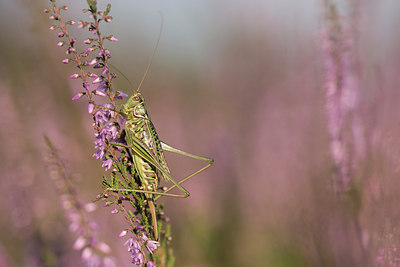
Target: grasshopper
147,152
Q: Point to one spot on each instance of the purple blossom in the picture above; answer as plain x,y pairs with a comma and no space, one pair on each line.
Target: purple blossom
120,95
98,80
109,132
99,154
123,233
90,107
135,250
150,244
99,93
94,61
103,86
112,39
77,96
102,116
150,264
107,164
74,76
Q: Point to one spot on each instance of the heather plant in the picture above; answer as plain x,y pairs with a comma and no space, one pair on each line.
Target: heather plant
93,68
388,247
342,95
93,252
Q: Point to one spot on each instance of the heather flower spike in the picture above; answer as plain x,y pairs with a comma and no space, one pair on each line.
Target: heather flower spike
120,155
76,212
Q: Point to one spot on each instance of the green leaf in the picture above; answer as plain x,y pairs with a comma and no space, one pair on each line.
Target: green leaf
107,10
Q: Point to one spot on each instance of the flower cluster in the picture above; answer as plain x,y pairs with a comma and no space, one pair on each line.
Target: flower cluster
92,61
135,247
342,97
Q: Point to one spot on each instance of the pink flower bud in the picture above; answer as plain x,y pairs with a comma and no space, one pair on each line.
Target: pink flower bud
112,39
97,80
123,233
94,61
79,243
100,93
90,108
74,76
77,96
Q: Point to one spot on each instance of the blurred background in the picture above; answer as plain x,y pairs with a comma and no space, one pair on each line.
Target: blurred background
239,81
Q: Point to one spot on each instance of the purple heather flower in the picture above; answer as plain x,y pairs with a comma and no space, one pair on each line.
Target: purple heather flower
137,258
103,86
79,243
77,96
102,115
98,66
150,264
107,164
152,245
123,233
134,249
86,86
70,50
109,132
112,39
98,80
99,154
65,61
105,70
100,142
88,41
74,76
120,95
90,107
114,211
94,61
99,93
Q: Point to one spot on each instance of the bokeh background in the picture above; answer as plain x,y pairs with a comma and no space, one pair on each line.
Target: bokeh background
239,81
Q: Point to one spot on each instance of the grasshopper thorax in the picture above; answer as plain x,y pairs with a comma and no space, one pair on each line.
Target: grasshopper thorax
134,108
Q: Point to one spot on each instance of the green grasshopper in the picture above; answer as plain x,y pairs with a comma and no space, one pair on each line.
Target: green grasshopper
147,151
148,155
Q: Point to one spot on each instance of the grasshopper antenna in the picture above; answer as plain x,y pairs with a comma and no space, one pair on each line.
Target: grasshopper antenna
154,52
123,75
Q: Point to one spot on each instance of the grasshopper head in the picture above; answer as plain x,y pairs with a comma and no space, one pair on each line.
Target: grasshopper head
135,106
